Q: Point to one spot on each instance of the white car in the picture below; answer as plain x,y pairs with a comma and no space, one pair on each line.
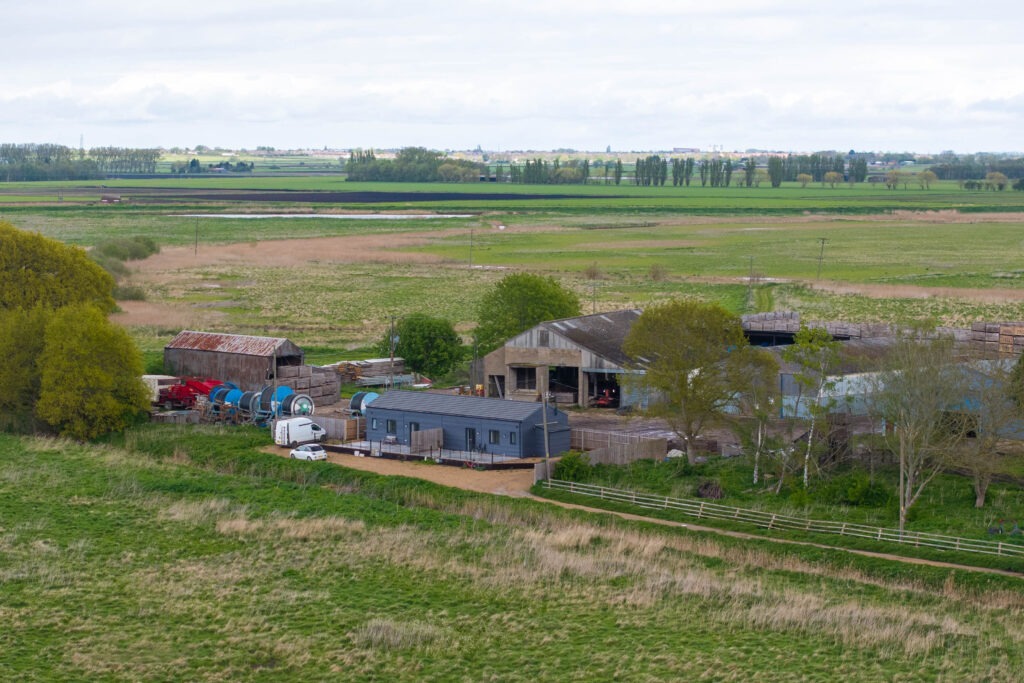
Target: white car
310,451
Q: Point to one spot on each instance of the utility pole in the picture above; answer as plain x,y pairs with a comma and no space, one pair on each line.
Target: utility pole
547,444
471,248
391,369
821,254
750,284
197,236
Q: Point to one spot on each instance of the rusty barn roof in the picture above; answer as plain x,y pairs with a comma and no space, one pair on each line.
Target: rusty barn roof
240,344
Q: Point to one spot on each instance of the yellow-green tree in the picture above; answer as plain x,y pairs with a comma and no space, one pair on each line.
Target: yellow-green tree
38,271
90,375
687,350
21,342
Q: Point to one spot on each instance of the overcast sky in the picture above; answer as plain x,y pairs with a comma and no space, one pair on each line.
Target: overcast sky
918,75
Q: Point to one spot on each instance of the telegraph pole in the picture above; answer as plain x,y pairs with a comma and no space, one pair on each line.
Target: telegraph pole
821,254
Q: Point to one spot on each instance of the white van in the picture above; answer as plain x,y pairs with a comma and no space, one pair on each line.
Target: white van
297,430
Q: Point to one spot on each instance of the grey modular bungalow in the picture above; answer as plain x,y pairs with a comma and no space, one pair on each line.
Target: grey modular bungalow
513,429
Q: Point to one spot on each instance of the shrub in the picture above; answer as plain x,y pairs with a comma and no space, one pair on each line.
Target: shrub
853,488
129,293
574,466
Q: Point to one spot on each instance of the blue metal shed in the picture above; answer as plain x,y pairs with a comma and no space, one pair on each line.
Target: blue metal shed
469,423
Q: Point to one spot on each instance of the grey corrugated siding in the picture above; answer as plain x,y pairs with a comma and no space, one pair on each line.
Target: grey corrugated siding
442,415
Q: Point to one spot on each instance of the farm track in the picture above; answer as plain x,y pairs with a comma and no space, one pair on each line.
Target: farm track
517,484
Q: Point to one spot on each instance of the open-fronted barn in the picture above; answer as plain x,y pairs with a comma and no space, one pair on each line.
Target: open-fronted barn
577,360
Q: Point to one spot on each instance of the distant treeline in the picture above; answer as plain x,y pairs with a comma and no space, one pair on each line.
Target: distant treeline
57,162
412,165
972,169
655,170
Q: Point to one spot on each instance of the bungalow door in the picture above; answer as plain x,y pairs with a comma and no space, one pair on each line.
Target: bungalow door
470,438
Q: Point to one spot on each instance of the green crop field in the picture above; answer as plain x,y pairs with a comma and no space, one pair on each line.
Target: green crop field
189,555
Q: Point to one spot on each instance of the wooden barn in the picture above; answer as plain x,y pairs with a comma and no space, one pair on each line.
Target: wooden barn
511,429
250,362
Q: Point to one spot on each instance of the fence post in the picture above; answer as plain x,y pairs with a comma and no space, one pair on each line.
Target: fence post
771,522
842,530
700,511
999,548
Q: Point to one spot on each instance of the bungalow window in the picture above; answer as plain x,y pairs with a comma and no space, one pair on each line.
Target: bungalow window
493,437
526,378
512,438
373,423
392,426
543,338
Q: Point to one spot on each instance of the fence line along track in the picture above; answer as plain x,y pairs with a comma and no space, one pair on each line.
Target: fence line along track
702,509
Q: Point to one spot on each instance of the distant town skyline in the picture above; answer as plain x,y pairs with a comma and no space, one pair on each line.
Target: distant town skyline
913,76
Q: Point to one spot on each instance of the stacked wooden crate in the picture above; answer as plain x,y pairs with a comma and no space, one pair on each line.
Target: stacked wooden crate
321,384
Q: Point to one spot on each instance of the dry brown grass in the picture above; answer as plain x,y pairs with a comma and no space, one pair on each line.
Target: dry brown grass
388,634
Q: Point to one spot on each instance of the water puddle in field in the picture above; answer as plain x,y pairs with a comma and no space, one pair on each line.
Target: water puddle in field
341,216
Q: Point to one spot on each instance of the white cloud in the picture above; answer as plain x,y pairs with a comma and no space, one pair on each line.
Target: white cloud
656,74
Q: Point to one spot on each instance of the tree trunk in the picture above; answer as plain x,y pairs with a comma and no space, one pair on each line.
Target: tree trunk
757,450
691,453
981,482
807,453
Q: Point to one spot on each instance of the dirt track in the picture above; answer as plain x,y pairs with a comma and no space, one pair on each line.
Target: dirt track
517,483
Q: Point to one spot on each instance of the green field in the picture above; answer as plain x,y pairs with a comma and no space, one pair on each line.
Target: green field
188,555
617,246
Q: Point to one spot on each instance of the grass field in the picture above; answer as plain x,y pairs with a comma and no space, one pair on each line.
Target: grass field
190,556
616,246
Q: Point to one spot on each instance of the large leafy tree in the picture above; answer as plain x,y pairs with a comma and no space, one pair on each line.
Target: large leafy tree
687,350
429,345
517,303
90,380
62,363
21,342
38,271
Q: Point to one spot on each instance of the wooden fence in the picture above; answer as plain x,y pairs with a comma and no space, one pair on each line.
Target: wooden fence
340,428
426,440
702,509
614,448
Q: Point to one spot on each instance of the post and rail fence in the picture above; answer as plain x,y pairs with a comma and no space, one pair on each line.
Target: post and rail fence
702,509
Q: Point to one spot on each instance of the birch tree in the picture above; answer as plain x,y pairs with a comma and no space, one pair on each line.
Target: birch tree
817,354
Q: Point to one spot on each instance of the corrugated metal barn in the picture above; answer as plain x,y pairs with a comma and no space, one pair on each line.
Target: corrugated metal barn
249,362
469,423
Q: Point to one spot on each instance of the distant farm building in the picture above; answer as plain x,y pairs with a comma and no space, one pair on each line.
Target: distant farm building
250,362
508,429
